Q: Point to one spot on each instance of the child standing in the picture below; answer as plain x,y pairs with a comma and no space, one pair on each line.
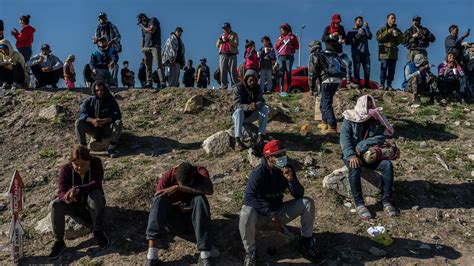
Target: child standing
68,72
267,57
251,57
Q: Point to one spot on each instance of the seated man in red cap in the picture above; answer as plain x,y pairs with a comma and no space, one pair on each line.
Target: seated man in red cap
263,202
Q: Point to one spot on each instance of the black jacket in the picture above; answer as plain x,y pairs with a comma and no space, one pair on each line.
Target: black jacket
333,45
243,96
422,41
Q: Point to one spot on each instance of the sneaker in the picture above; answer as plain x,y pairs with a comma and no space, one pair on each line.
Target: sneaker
5,86
390,88
101,239
54,86
204,262
239,146
381,87
307,248
149,85
323,126
284,94
417,102
152,262
329,130
15,86
112,152
250,259
57,250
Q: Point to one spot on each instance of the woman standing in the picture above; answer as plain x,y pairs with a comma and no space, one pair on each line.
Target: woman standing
286,47
24,38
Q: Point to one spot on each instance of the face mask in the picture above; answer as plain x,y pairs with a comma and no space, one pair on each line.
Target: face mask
281,162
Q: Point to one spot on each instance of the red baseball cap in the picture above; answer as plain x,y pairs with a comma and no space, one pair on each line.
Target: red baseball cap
273,147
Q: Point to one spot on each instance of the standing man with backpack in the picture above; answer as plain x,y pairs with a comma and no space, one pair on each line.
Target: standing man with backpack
108,30
151,48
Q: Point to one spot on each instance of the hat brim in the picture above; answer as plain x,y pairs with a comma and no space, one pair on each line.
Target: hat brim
276,152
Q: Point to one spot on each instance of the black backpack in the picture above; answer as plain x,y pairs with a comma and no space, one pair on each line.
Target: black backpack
336,67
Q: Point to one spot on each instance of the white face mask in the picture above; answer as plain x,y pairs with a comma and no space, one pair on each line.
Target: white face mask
281,162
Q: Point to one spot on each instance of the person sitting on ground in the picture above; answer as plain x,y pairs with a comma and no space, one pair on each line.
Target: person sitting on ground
46,67
203,74
68,72
80,195
263,203
450,78
180,203
249,106
188,76
251,56
334,37
418,79
100,117
362,139
12,67
127,76
103,63
267,57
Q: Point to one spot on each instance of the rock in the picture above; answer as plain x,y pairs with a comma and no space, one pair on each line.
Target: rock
217,144
439,215
471,157
377,252
423,144
467,124
472,173
194,104
457,123
95,145
308,161
415,208
435,237
253,160
348,204
425,246
73,229
338,180
51,112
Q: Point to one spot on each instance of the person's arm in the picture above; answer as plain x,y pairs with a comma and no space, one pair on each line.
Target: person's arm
429,36
352,36
408,74
93,62
278,43
84,110
400,37
234,40
345,139
441,69
252,195
117,37
96,176
409,39
295,187
260,101
312,74
382,35
238,99
204,187
57,63
114,55
326,36
64,183
33,61
295,43
116,114
143,39
368,32
377,139
208,72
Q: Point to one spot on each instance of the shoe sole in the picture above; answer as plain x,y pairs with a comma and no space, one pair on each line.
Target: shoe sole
57,256
108,242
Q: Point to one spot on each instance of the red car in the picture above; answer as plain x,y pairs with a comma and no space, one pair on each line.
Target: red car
299,81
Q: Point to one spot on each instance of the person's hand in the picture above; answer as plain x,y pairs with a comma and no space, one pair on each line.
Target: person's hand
111,65
355,162
366,24
275,223
167,191
209,82
70,195
335,34
390,30
422,68
94,72
182,206
46,69
466,34
415,35
110,42
95,122
288,173
253,106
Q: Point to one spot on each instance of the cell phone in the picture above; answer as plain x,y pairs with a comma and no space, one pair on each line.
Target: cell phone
468,31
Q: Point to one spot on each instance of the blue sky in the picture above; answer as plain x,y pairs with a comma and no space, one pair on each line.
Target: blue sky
68,25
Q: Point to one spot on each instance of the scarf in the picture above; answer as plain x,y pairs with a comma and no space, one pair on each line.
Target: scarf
333,28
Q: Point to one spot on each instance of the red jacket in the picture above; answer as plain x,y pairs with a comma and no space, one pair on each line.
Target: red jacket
251,60
291,46
25,37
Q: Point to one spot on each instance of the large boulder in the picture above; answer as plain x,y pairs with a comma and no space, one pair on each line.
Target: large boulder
73,229
194,104
217,144
338,181
51,112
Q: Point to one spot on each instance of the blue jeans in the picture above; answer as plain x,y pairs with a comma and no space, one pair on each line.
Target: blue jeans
239,118
348,64
385,167
363,60
327,111
387,71
285,63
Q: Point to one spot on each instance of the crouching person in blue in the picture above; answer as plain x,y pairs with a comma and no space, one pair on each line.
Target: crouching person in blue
100,117
249,106
180,206
263,203
362,138
81,196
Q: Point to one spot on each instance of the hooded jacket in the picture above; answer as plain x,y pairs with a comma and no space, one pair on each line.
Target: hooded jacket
94,107
422,41
13,57
388,43
331,41
25,37
101,59
360,129
230,45
244,95
251,59
288,44
171,50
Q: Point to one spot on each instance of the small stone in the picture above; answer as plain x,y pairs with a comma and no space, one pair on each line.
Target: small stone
457,123
471,157
377,252
370,200
308,161
439,215
467,124
472,173
449,108
435,237
423,144
415,208
353,211
348,204
425,246
448,216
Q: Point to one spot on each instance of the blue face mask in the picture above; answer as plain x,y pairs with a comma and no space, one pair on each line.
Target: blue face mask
281,162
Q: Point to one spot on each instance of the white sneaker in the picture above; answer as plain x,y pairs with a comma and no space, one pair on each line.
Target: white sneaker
15,86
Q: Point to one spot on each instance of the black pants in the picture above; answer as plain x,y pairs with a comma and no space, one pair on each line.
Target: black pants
46,78
26,52
165,217
387,71
16,74
89,213
447,87
202,84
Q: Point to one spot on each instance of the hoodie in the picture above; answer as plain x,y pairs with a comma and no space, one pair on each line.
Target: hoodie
251,59
331,41
94,107
13,57
101,59
244,95
25,37
288,44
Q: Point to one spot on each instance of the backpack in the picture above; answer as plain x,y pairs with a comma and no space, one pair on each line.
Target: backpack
336,67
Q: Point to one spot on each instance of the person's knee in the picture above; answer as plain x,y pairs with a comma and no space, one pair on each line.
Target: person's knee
96,200
57,205
199,201
308,203
386,165
264,110
248,215
238,113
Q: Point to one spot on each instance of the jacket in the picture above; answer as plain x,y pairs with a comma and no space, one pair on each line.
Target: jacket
203,73
266,187
388,43
332,42
188,76
359,38
454,45
251,59
25,37
411,70
421,42
318,64
230,45
244,95
94,107
267,59
51,61
171,50
101,59
287,45
445,71
352,137
68,178
68,71
14,57
111,32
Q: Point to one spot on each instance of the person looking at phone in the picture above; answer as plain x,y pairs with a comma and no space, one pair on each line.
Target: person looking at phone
453,44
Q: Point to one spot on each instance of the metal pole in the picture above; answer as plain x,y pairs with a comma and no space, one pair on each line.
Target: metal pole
301,45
